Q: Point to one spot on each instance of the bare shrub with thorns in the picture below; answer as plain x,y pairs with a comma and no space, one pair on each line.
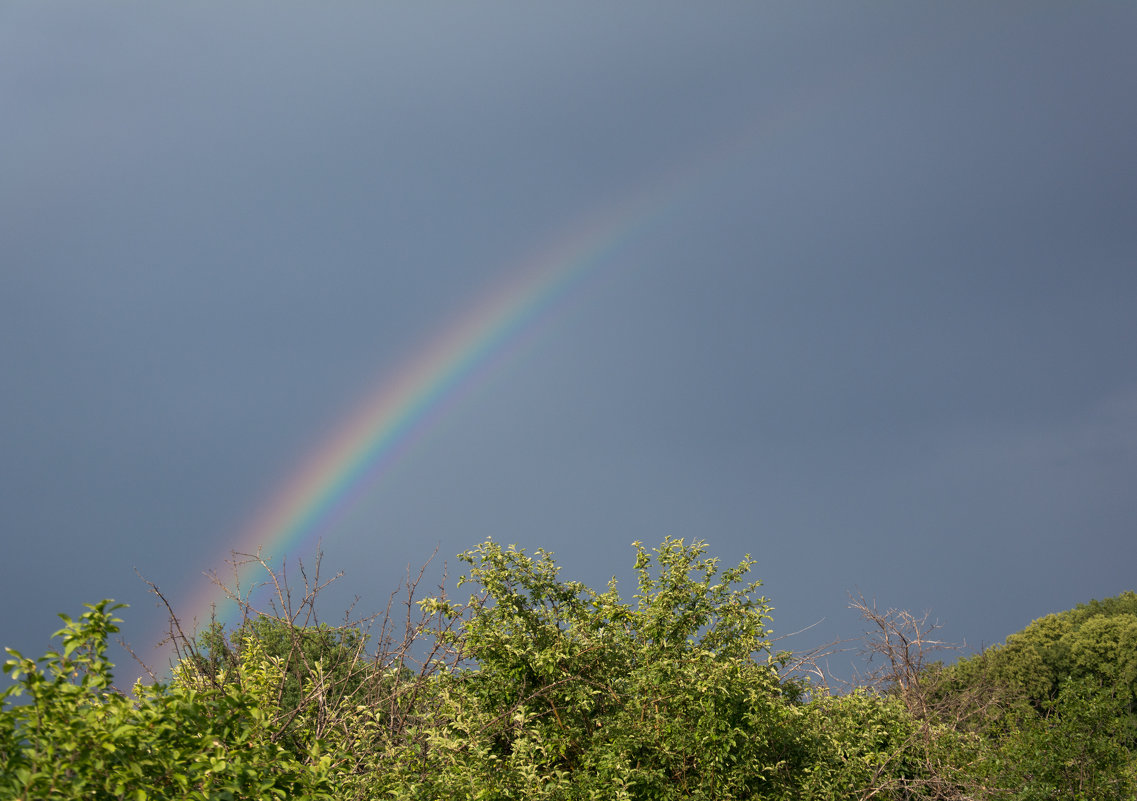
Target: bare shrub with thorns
902,645
364,678
900,642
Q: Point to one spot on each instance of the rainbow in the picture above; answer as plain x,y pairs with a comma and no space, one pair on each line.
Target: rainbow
385,426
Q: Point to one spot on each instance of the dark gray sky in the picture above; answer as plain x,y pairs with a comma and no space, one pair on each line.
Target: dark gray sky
880,331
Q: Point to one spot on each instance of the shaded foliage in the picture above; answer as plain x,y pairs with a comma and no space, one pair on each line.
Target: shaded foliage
1049,714
1095,641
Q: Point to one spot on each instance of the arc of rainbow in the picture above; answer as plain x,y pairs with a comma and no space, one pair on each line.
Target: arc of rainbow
383,426
381,429
369,440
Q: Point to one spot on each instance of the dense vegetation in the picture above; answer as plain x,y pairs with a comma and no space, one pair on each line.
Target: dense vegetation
537,688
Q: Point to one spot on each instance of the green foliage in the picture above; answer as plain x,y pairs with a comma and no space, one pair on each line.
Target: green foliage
1078,748
1095,641
76,738
862,744
1054,706
317,668
540,689
580,694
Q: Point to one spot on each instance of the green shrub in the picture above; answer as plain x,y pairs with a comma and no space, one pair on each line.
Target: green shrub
76,738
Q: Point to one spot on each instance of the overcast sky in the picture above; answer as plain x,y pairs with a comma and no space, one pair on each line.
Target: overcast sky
876,324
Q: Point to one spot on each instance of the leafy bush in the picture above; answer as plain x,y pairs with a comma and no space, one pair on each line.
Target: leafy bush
579,692
76,738
536,688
